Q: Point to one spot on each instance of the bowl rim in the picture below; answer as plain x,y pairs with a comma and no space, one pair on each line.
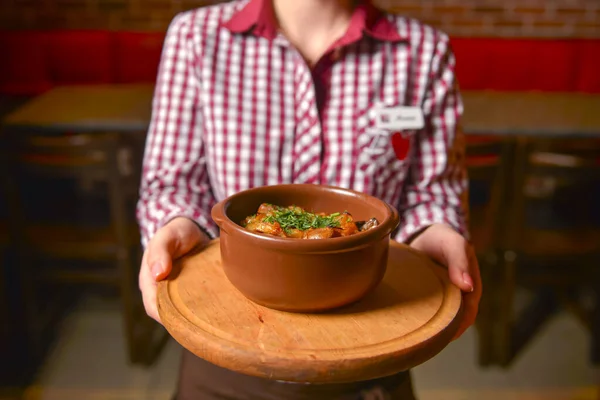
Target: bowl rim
385,228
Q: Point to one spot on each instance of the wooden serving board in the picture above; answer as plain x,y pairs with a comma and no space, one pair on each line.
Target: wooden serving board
409,318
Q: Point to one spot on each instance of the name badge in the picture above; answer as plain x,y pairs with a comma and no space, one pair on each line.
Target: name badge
400,118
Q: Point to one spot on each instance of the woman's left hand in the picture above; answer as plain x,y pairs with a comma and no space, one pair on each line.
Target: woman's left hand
448,247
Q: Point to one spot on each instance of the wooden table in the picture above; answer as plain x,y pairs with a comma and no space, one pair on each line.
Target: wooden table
81,109
97,108
532,114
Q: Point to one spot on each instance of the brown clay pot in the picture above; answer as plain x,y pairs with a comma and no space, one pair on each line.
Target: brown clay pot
302,275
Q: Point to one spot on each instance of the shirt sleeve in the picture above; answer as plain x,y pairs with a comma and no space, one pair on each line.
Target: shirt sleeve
437,184
175,181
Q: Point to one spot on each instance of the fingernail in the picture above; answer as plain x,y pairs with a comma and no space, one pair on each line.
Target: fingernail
468,281
156,269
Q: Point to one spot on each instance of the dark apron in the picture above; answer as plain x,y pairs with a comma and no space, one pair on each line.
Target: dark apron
200,380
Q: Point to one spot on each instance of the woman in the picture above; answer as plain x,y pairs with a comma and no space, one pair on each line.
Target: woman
262,92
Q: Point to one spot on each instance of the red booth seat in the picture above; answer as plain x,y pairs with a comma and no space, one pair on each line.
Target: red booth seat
34,61
527,64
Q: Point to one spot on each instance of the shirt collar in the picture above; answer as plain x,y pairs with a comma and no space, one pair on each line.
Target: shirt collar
258,17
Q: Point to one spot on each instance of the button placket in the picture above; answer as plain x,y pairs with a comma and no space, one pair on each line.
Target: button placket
308,144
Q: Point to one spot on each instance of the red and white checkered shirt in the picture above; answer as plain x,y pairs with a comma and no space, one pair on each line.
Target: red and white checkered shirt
236,106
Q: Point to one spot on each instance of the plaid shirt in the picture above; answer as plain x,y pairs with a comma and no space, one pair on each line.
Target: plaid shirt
236,106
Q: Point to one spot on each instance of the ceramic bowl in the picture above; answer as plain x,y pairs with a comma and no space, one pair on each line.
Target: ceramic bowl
304,275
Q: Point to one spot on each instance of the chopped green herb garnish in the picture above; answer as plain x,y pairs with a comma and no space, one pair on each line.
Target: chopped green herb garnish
295,218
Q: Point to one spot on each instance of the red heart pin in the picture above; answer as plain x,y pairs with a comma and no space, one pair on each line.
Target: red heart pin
401,145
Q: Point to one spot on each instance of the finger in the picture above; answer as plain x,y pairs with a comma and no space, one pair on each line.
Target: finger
161,251
147,286
451,251
457,259
174,240
471,300
149,297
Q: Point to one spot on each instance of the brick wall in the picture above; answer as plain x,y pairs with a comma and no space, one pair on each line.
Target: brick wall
524,18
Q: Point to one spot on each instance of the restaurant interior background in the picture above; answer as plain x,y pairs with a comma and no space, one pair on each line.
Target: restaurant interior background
530,73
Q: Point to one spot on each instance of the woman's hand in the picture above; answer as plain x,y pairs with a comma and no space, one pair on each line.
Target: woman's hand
174,240
448,247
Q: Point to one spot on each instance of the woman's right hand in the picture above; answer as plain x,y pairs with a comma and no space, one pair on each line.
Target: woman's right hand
172,241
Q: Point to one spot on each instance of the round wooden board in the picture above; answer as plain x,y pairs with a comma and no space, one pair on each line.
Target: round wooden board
409,318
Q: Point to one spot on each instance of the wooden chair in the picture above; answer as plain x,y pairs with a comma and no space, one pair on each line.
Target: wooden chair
486,161
555,262
83,250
